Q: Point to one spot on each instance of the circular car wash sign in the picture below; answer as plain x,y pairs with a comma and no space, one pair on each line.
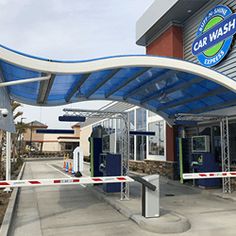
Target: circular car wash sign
214,36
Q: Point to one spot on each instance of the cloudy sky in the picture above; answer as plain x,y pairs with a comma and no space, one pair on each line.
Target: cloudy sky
70,29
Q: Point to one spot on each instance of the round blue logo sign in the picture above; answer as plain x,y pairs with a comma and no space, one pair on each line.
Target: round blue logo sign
214,36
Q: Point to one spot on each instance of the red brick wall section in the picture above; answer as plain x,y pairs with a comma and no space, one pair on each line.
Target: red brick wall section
170,143
169,44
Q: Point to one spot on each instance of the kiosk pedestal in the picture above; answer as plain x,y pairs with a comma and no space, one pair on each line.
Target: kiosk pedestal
150,198
78,160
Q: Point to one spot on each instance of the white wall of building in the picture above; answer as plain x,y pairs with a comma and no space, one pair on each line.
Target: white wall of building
85,133
51,143
51,147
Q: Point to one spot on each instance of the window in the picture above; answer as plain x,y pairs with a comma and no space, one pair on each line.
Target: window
141,147
106,125
150,114
156,143
96,125
141,119
232,142
131,147
118,135
68,146
131,120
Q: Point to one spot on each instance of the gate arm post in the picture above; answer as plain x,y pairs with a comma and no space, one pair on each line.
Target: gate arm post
150,195
144,182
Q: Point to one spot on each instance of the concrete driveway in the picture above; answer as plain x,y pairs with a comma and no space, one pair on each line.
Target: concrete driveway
65,210
73,210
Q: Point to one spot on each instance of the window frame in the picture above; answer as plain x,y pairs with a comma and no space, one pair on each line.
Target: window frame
155,119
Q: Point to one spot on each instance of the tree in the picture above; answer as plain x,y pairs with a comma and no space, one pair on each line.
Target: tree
20,129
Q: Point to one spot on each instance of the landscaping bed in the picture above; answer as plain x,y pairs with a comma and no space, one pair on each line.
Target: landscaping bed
4,196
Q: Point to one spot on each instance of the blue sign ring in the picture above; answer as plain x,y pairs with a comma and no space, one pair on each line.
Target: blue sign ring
221,32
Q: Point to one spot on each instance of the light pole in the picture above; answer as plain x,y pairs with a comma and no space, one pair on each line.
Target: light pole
8,159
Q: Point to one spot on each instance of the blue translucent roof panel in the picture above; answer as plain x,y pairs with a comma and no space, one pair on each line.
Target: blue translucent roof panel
62,85
94,80
164,85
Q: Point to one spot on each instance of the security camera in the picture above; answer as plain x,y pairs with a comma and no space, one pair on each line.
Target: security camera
4,112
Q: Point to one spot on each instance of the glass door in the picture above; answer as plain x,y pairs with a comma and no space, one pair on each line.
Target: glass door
141,148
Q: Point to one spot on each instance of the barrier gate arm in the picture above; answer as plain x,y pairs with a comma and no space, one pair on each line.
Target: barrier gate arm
209,175
64,181
144,182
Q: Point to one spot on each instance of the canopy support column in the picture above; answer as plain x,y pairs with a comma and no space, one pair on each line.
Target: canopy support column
125,155
124,137
225,153
8,159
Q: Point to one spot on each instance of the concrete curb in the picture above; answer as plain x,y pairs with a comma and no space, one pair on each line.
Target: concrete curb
225,196
205,192
6,223
170,222
43,159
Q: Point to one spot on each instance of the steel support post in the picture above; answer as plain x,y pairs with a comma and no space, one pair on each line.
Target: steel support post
125,155
8,159
24,81
123,116
225,153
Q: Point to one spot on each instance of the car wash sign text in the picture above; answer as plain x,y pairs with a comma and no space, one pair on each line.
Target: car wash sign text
214,36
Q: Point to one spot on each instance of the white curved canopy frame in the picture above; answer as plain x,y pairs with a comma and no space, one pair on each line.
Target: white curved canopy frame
114,62
80,67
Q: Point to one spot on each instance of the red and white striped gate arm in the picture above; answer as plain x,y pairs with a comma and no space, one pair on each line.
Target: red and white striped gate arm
64,181
209,175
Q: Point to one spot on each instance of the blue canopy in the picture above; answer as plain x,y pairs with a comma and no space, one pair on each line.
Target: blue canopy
165,86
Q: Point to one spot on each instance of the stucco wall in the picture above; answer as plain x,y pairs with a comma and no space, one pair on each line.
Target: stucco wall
84,135
51,147
35,136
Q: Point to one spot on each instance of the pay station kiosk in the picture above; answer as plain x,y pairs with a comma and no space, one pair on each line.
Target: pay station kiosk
203,160
111,166
103,162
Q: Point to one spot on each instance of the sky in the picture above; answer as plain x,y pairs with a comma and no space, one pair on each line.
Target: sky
70,29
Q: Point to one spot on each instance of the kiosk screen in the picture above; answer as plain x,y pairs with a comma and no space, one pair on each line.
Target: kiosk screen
200,144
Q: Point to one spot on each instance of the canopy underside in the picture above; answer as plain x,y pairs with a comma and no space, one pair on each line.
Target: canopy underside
165,86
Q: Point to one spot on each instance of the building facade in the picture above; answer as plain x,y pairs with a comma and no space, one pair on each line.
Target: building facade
141,146
45,141
171,28
180,29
